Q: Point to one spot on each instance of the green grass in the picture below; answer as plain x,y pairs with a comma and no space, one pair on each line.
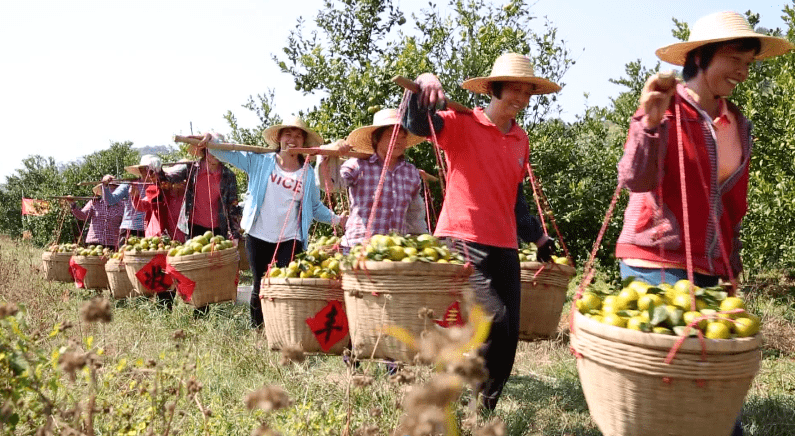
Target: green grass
144,369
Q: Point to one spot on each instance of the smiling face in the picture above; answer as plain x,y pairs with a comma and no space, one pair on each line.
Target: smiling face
514,98
291,137
728,68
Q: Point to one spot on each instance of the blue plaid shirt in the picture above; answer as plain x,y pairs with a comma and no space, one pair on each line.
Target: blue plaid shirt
133,219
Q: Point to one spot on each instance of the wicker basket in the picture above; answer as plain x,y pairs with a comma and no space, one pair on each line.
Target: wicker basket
381,294
56,266
631,391
243,265
214,276
544,287
288,303
96,277
133,262
119,283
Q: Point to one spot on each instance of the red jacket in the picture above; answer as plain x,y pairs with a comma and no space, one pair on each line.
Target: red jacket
649,224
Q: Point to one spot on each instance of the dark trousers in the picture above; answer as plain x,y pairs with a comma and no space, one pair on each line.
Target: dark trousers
498,291
196,230
260,253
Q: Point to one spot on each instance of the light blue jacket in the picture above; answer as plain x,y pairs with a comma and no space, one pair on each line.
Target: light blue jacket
259,167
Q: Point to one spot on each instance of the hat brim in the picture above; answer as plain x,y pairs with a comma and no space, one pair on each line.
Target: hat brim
97,190
361,139
771,46
135,170
313,139
540,85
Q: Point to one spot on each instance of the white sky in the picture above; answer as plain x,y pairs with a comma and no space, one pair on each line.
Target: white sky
76,75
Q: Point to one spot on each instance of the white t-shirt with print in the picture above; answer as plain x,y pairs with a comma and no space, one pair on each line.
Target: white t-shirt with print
278,216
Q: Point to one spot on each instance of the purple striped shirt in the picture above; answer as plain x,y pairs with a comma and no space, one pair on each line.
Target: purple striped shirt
401,208
105,221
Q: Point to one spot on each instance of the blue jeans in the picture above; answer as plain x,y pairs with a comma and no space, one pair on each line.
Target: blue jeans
655,276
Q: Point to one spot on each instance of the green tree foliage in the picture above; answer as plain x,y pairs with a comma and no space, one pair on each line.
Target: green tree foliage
41,178
768,99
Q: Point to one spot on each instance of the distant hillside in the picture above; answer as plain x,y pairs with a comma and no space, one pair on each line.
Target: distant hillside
156,149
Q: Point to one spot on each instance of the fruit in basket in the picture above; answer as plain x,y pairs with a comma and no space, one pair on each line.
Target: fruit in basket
94,250
206,243
404,248
63,248
153,243
320,262
668,309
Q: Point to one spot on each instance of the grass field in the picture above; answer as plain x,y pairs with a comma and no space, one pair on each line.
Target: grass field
154,371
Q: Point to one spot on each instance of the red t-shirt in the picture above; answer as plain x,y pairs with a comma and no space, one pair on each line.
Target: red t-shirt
206,198
485,167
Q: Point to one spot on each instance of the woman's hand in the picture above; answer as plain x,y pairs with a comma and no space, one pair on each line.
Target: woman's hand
431,91
107,179
343,219
656,96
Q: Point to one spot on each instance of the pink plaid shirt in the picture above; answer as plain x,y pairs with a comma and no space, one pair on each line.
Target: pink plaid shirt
105,221
401,207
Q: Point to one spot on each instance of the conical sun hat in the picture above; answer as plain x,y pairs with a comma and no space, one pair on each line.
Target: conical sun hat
149,161
511,67
361,138
271,134
722,26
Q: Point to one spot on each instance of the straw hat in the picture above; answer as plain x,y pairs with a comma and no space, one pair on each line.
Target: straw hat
97,190
511,67
361,138
722,26
148,161
313,139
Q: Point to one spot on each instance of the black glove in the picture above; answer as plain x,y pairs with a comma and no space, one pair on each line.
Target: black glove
546,250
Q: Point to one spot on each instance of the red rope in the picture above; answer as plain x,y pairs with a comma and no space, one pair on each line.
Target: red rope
539,195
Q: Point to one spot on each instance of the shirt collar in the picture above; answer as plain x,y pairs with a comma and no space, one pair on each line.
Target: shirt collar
375,158
724,119
480,116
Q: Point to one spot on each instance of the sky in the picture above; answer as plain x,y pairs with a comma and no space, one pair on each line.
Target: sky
77,75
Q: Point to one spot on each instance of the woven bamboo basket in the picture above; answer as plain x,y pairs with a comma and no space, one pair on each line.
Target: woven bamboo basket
96,277
214,275
286,305
631,391
544,287
119,283
56,266
133,262
382,294
243,265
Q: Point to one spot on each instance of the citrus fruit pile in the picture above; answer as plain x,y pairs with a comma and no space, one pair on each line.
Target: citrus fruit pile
409,248
528,253
320,262
94,250
668,309
153,243
206,243
63,248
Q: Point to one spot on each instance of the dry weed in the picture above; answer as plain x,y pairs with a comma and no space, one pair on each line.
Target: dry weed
268,398
292,353
779,334
98,309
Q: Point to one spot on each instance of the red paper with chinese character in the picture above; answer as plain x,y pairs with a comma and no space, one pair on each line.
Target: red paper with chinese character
452,317
153,275
185,286
78,272
329,325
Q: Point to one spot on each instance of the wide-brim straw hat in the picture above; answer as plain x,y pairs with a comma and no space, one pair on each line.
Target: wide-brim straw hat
511,67
361,138
271,134
148,161
718,27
